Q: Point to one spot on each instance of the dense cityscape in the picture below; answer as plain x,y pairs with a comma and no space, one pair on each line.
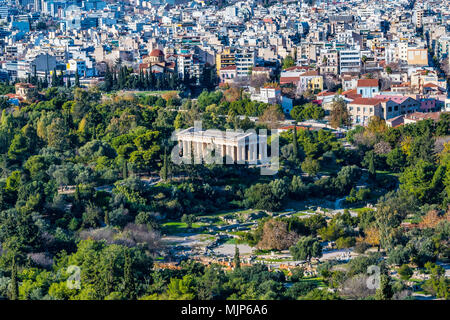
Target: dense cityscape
224,150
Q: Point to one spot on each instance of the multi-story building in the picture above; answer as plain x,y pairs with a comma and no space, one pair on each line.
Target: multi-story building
245,61
310,80
349,61
224,59
329,61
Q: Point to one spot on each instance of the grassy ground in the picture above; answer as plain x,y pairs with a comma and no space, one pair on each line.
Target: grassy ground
299,214
179,227
317,280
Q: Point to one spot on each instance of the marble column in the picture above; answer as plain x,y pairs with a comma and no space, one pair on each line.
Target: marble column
263,148
241,154
198,151
221,150
186,149
229,154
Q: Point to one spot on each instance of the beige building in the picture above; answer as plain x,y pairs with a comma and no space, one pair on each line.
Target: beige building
24,89
417,57
362,109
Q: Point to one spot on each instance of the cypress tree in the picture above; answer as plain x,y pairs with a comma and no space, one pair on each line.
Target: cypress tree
372,171
237,258
106,218
128,278
54,79
109,277
77,80
294,142
108,79
385,292
14,294
124,169
45,83
165,168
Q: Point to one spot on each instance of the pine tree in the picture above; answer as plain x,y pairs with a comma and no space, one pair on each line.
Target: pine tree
128,278
14,294
237,259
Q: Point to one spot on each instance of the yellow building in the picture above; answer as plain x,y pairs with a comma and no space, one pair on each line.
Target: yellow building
310,80
224,59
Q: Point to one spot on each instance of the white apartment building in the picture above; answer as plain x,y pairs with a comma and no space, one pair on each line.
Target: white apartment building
245,61
349,61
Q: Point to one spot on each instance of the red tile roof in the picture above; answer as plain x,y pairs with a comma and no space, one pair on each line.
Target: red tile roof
326,93
367,83
368,101
156,53
417,116
310,73
285,80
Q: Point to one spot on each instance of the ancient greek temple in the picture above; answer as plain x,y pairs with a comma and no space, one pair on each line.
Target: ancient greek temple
234,146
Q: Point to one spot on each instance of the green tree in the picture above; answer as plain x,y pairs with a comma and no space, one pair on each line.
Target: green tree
339,115
295,142
128,278
237,259
396,159
417,179
385,291
189,219
405,272
310,166
306,248
14,285
371,169
288,62
77,80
